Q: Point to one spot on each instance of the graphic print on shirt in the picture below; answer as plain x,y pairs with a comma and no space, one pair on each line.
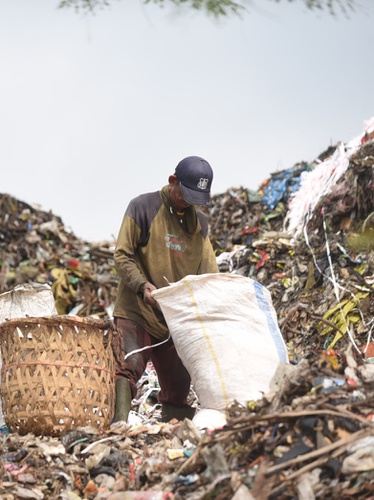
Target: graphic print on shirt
174,243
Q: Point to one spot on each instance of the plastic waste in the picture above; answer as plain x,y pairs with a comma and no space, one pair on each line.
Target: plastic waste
209,419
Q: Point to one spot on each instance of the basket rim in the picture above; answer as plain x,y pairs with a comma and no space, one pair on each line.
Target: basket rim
57,320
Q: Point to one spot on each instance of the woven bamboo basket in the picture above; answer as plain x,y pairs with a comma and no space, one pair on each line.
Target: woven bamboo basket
57,374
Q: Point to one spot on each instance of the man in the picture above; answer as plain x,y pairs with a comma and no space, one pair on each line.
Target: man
162,239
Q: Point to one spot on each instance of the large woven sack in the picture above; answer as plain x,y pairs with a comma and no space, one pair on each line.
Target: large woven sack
57,374
225,331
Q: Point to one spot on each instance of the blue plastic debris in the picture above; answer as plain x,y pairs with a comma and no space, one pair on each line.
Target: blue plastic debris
282,185
4,430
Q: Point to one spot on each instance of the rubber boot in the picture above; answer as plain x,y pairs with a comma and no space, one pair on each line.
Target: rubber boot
170,411
123,400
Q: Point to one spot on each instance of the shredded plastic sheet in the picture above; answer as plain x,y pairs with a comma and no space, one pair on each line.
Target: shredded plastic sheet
229,258
318,182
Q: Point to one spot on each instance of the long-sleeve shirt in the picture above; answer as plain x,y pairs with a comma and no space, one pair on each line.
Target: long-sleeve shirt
158,245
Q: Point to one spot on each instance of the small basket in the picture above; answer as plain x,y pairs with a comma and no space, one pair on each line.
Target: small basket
57,374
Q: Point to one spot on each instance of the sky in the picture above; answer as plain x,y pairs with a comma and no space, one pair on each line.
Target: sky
96,109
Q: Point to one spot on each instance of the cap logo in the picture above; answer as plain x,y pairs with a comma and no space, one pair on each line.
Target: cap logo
203,183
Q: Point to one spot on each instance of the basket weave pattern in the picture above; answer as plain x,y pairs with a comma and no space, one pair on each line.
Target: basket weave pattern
57,374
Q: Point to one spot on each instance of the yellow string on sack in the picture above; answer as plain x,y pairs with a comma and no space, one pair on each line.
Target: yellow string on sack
207,338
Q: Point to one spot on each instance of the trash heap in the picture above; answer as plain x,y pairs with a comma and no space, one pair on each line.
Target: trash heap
321,277
36,247
312,439
312,436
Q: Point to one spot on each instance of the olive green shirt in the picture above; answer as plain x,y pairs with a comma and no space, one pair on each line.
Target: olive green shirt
158,245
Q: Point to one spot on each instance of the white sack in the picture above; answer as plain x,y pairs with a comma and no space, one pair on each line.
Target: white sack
28,299
225,330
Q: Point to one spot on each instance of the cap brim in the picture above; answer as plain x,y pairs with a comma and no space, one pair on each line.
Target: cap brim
195,197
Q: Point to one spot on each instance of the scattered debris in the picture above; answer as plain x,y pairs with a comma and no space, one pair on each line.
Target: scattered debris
311,436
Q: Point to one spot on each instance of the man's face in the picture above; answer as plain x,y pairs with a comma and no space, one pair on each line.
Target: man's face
176,197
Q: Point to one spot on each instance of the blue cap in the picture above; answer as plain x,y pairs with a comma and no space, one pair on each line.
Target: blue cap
195,176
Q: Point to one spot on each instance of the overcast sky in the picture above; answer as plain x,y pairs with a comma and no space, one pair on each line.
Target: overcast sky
95,110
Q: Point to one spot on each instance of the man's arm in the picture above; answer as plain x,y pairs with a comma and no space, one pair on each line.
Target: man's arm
124,255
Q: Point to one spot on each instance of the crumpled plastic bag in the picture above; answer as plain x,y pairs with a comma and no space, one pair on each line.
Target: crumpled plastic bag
361,456
27,300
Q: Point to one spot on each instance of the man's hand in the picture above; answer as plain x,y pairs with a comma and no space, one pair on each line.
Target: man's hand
147,297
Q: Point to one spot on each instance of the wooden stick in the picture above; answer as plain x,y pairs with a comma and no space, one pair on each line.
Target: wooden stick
322,451
296,414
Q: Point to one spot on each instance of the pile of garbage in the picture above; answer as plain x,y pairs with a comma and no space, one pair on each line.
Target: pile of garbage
307,235
319,270
36,247
311,439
